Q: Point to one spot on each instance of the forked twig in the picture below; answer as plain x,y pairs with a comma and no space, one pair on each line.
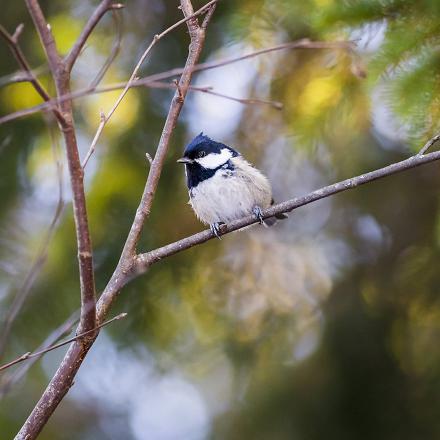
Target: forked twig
12,41
104,118
65,374
155,79
429,144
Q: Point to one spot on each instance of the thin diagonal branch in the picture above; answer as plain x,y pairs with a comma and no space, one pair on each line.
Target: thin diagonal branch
12,41
144,261
125,266
61,76
30,355
429,144
64,376
103,7
104,118
246,101
9,379
20,76
116,47
152,80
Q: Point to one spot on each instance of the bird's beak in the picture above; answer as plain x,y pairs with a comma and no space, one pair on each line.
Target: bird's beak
184,160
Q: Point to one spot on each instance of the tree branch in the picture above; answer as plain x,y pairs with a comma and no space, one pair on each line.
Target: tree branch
153,80
133,78
61,77
63,378
144,261
124,270
12,41
30,355
116,47
45,35
11,378
103,7
429,144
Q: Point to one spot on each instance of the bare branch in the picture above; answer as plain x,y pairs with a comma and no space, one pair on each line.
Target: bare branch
139,83
30,355
154,80
304,43
144,261
61,76
197,40
133,78
64,376
246,101
103,7
429,144
95,139
9,379
45,34
116,47
12,41
208,16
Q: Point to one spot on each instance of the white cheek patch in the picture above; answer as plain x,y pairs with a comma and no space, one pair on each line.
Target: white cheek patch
215,160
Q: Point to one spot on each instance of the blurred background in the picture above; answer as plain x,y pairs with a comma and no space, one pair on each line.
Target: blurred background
325,326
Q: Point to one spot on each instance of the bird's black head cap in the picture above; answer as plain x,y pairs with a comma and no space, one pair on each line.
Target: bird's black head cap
202,145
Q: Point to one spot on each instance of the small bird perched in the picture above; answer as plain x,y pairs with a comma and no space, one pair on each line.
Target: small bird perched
223,186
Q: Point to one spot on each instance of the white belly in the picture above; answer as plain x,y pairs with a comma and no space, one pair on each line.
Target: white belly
223,198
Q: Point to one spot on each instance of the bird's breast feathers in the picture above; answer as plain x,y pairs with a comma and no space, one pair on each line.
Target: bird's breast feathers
232,192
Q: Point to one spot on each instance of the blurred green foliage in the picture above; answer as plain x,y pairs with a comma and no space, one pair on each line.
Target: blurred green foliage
323,327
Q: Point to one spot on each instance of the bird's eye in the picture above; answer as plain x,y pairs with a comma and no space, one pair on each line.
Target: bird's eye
202,154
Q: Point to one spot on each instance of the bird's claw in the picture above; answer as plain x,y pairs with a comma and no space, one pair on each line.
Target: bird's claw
258,214
216,229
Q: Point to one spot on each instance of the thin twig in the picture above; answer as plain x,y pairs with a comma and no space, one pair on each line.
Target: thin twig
102,8
124,271
154,85
246,101
9,379
197,35
12,41
304,43
209,90
144,261
153,80
133,78
61,76
429,144
20,76
30,355
65,374
45,34
92,147
116,47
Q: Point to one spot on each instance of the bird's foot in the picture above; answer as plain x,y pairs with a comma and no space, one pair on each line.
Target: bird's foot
216,229
258,214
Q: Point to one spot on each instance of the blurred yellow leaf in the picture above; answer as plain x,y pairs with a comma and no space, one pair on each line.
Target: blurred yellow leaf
20,95
65,30
318,95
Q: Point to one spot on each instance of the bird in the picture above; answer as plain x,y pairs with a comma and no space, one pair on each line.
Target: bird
223,186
